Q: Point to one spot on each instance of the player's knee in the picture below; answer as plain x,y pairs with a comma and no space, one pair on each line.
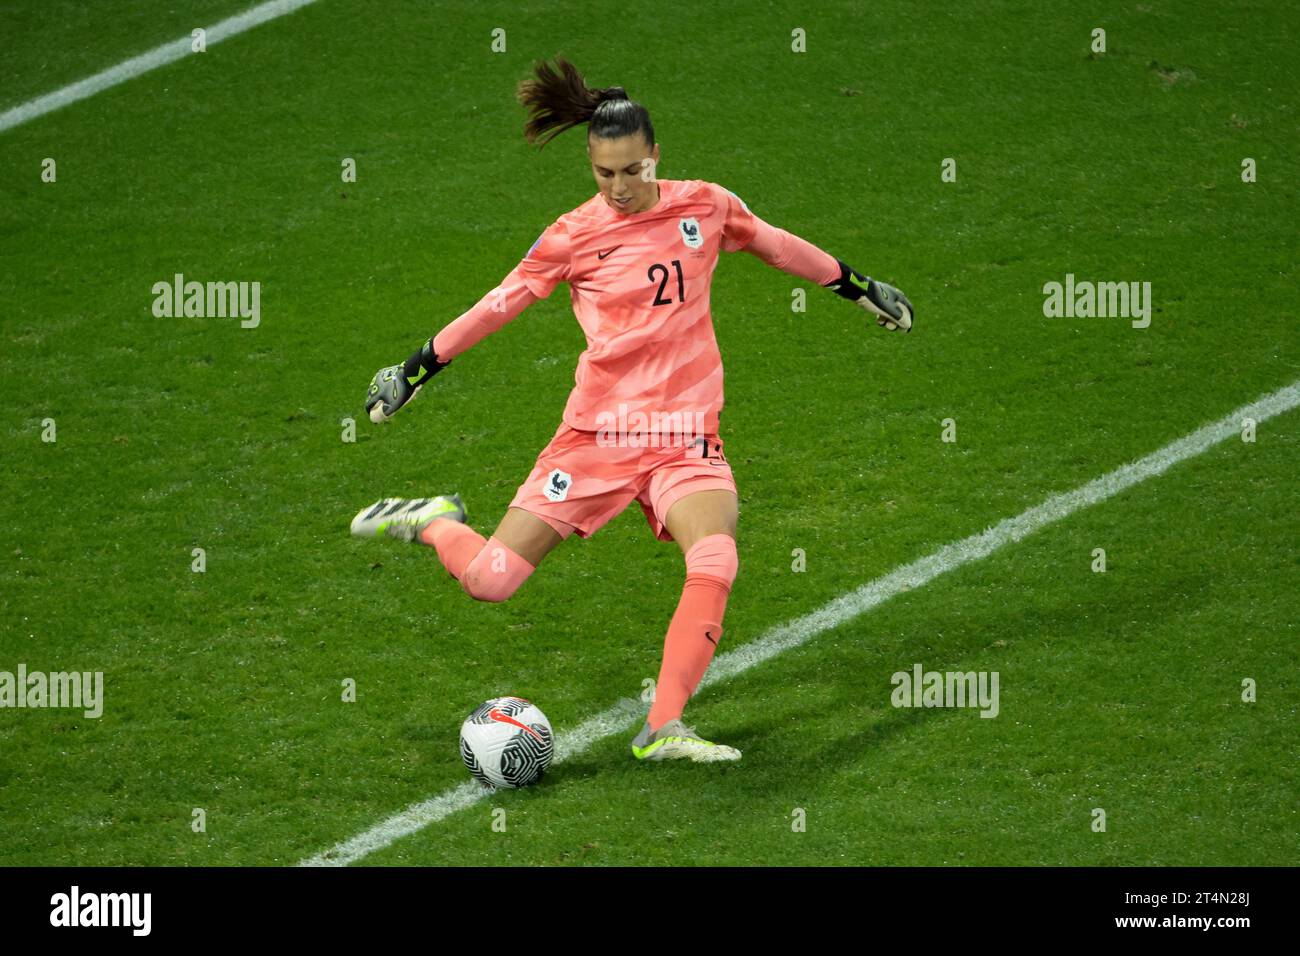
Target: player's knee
714,555
485,587
495,573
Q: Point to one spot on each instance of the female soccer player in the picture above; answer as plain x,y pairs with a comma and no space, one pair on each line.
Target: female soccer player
642,421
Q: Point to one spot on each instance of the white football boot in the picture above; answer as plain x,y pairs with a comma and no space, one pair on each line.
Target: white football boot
405,518
675,741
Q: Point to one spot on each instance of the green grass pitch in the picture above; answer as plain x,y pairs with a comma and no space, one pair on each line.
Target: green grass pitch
1119,690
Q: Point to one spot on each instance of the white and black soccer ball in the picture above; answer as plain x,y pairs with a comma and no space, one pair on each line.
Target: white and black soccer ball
507,742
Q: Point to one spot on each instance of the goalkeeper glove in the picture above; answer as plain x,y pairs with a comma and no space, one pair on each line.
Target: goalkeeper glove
393,387
892,309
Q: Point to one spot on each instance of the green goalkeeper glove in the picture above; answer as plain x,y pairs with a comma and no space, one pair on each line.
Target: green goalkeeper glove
395,386
892,309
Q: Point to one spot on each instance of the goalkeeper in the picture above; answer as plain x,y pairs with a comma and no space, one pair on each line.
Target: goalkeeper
641,423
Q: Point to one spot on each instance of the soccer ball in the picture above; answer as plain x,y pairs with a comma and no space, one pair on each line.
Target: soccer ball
507,742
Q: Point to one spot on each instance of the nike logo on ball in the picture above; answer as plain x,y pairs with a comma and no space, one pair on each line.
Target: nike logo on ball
507,719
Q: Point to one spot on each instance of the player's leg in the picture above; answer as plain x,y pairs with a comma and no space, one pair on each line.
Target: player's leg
576,486
488,570
701,514
704,525
527,535
492,569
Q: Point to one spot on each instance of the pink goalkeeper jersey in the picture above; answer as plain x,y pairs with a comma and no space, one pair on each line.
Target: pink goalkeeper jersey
640,290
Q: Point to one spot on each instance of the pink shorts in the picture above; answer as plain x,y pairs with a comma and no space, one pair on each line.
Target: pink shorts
580,485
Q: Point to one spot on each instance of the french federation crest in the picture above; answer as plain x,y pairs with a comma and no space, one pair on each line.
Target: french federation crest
557,485
691,235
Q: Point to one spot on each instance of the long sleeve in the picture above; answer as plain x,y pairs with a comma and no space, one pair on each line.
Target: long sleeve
791,254
546,265
489,314
778,248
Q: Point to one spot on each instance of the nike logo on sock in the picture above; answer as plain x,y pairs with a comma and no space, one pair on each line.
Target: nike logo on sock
711,638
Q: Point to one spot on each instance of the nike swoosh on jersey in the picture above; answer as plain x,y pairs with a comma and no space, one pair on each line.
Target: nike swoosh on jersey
602,255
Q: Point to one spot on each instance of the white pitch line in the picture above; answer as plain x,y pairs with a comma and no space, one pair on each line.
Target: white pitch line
158,56
836,612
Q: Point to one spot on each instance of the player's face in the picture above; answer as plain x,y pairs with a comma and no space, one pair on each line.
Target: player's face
625,171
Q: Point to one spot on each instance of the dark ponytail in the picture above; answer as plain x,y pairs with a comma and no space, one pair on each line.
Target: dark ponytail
557,98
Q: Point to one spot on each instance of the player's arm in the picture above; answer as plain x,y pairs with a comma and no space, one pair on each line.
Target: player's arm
396,385
789,253
546,265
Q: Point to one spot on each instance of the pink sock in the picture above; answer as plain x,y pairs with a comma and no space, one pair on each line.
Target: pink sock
457,544
696,626
487,570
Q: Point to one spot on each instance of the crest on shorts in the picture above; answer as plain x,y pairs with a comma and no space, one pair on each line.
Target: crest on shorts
690,230
557,485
